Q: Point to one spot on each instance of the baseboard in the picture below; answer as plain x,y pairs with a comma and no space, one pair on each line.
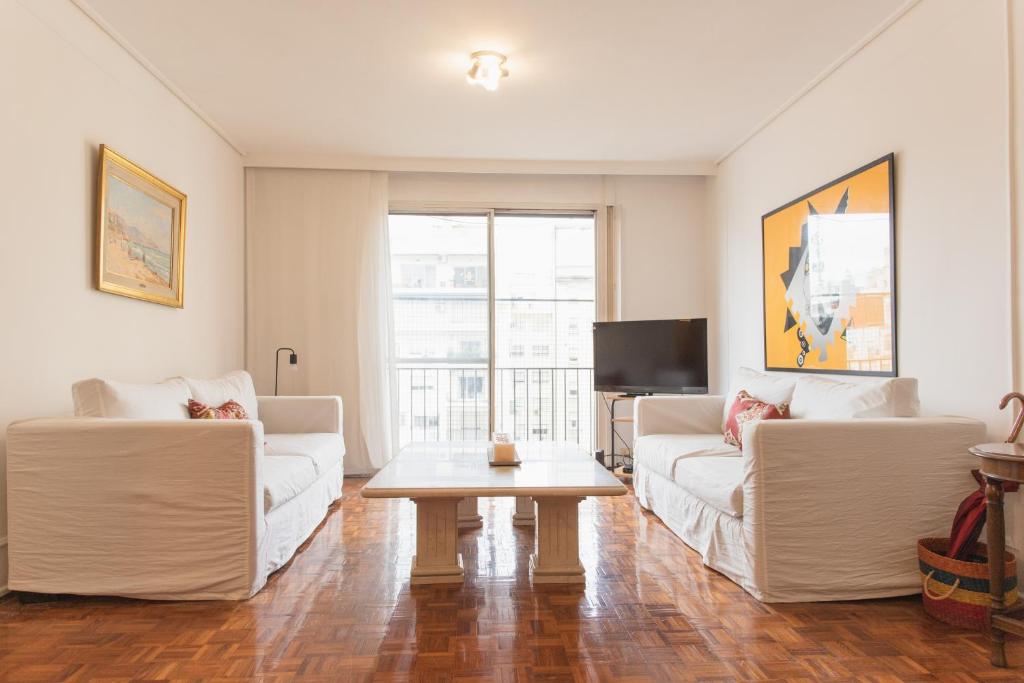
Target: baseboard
3,563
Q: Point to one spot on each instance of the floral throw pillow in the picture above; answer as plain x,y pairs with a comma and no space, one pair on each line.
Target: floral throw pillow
230,410
746,409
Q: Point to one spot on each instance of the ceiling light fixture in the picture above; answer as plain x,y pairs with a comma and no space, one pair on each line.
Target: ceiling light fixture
488,68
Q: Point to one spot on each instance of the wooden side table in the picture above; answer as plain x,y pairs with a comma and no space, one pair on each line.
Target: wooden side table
1000,463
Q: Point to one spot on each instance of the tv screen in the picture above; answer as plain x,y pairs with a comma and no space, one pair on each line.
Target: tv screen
652,356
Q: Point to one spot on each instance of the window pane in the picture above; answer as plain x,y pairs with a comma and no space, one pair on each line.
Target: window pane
439,289
544,257
544,270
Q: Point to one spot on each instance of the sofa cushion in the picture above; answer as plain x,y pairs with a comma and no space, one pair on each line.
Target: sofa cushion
820,398
234,386
232,410
715,480
284,477
749,409
324,451
660,452
166,400
770,388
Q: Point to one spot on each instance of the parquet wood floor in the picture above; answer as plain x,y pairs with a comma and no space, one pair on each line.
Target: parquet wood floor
343,611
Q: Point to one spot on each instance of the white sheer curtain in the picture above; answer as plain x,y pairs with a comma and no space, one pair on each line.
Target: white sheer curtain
378,384
318,280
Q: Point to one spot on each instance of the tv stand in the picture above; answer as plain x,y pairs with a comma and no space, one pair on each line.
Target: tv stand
612,421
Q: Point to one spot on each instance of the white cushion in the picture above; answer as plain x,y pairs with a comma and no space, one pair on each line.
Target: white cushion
106,398
234,386
660,452
770,388
323,450
717,481
819,398
284,477
905,399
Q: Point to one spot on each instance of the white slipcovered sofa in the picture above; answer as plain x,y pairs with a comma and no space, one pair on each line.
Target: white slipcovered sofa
131,497
825,506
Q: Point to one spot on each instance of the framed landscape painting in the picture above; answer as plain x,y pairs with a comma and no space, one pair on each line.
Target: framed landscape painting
140,233
830,277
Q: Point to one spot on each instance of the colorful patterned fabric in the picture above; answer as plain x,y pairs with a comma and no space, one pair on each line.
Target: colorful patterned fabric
230,410
746,409
957,591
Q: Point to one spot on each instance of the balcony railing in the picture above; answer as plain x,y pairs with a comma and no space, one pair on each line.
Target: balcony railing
531,404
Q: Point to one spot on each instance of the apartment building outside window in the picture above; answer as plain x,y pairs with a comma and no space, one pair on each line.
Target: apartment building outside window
509,351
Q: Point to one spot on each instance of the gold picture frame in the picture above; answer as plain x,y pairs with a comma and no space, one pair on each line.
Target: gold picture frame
140,233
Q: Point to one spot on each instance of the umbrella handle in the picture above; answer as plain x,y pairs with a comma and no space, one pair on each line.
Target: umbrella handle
1019,422
936,596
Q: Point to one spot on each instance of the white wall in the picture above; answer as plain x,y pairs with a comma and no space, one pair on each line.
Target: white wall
935,89
932,89
1016,44
67,88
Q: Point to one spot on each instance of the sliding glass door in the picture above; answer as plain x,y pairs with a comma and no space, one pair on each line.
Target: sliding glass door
544,306
493,316
439,284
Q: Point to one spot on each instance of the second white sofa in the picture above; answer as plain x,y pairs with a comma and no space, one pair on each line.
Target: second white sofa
825,506
132,498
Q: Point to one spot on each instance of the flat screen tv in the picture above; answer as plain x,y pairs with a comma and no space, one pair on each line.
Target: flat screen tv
652,356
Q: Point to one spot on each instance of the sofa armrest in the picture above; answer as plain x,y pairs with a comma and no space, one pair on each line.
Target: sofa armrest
301,414
139,508
820,495
677,415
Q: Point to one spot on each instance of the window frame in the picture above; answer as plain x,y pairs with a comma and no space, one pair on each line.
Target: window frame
606,254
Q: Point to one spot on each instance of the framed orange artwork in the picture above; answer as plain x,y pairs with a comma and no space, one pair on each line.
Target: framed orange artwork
829,277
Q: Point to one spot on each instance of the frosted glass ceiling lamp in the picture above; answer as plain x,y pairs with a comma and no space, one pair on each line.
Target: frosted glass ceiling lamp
487,70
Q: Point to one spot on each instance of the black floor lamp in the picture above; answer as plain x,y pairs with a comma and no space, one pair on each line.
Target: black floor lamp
293,359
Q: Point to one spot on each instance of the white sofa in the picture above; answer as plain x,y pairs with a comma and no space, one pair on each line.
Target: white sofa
132,498
825,506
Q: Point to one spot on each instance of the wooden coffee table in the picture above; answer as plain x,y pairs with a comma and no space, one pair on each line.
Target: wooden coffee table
440,476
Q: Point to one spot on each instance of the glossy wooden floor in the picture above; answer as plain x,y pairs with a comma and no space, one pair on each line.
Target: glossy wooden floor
343,610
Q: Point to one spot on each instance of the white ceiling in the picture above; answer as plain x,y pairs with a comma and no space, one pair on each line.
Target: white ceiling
592,80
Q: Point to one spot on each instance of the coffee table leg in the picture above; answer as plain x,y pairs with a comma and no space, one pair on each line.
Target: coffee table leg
437,558
557,559
469,516
525,514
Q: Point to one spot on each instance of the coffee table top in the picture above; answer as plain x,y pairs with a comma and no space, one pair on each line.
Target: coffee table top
459,469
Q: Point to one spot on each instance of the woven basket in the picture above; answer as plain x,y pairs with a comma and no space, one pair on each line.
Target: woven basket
957,592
